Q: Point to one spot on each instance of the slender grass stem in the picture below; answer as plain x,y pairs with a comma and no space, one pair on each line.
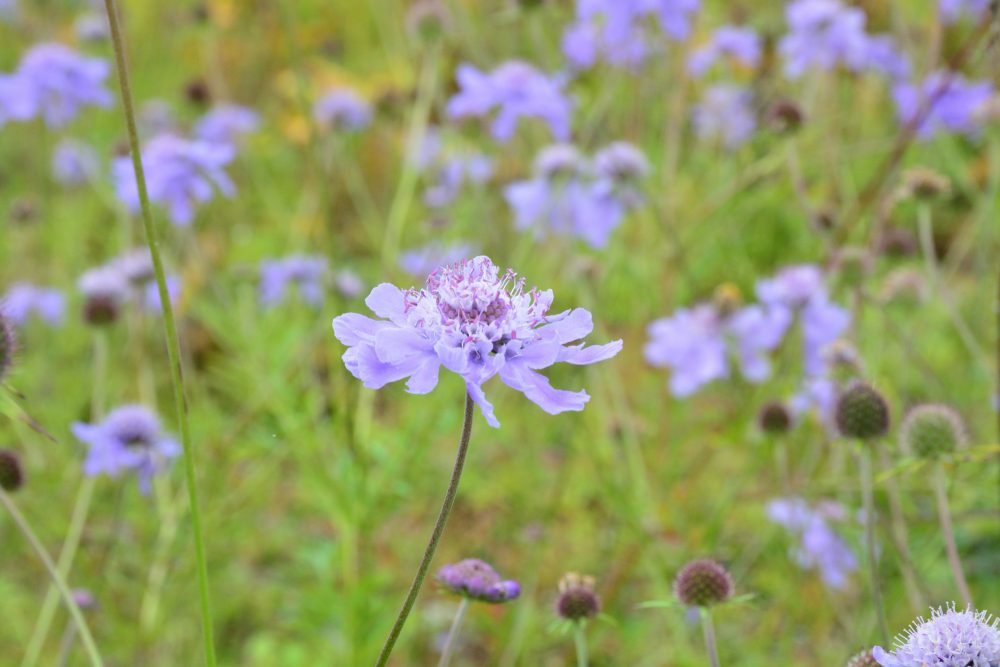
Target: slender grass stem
449,642
868,498
944,516
899,537
580,639
425,562
708,631
57,579
170,331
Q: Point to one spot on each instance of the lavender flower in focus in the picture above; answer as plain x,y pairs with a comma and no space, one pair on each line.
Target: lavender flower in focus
342,109
53,82
950,638
514,90
725,113
475,579
129,438
180,174
953,10
945,101
426,259
741,44
477,322
227,124
820,547
23,299
305,272
74,163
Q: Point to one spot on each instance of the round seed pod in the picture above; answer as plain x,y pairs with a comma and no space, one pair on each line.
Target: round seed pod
703,583
928,431
11,472
862,412
774,418
577,599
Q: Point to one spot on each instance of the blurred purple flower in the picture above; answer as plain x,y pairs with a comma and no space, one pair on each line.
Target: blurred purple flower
22,299
448,170
226,124
151,294
74,163
952,10
741,44
106,283
92,27
884,57
477,323
305,272
515,89
348,283
950,637
180,173
606,29
477,580
725,113
945,101
696,344
129,438
426,259
674,15
823,34
820,547
342,109
53,82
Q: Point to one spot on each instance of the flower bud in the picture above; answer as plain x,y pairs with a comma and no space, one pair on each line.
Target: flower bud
929,431
862,412
577,600
11,472
924,183
784,116
774,418
703,583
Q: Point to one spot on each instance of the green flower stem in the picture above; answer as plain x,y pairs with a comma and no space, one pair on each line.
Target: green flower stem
899,537
708,631
170,330
57,579
425,562
580,639
449,643
868,498
944,516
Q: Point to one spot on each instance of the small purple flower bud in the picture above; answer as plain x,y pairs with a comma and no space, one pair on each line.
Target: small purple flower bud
928,431
577,599
862,413
703,583
11,471
476,580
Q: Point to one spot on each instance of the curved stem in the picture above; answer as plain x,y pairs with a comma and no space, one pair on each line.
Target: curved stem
425,562
57,579
868,498
944,516
449,643
170,330
580,639
708,630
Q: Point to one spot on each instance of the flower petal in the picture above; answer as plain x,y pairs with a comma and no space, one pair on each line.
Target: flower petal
537,389
479,398
351,328
568,326
591,354
396,345
386,300
425,378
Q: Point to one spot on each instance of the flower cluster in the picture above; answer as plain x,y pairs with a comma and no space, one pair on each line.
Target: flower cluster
306,272
515,90
476,322
126,278
129,438
475,579
820,547
949,638
54,83
342,109
741,44
23,299
569,195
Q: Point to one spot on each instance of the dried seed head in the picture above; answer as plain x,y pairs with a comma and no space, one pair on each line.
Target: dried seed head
428,19
197,92
925,183
897,242
727,299
852,265
785,115
774,418
862,412
863,659
577,599
703,583
11,472
929,431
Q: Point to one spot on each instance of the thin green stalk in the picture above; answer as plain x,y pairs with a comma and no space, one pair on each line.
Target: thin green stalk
898,532
868,498
81,510
170,330
708,631
580,639
57,579
425,562
944,516
449,643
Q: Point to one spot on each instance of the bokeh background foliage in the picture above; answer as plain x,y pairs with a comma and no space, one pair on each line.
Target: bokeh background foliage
318,494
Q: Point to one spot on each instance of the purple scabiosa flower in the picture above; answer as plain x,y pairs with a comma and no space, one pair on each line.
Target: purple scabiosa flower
74,163
426,259
129,438
820,547
740,44
953,10
800,291
475,579
725,113
342,109
151,294
55,82
674,15
180,174
949,638
105,290
92,27
515,90
823,34
609,30
885,57
305,272
23,299
16,99
944,101
477,322
227,124
447,170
